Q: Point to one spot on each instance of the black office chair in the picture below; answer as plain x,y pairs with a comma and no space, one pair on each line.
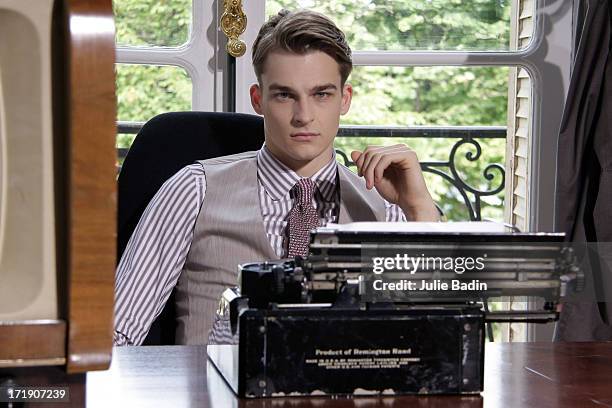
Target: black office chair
164,145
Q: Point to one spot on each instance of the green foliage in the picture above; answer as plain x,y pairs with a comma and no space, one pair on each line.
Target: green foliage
144,91
414,24
409,96
401,96
164,23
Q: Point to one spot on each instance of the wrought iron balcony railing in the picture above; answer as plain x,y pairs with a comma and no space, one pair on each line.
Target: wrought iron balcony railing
446,169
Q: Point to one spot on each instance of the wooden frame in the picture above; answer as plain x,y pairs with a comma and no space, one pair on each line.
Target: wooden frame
84,113
91,176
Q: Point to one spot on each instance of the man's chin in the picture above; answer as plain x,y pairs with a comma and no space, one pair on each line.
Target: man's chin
305,155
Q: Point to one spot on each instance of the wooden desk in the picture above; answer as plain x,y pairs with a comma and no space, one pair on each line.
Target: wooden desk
516,375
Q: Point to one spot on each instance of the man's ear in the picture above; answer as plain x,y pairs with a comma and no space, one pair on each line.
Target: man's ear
347,96
255,92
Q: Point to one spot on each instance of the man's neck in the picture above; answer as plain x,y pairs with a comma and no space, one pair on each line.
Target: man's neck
309,169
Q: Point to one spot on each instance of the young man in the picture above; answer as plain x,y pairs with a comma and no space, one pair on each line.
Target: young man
196,230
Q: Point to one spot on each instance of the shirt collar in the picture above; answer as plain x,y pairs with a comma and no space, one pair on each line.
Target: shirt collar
278,179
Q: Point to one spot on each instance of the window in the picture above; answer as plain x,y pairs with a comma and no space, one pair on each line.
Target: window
400,25
485,48
150,23
438,108
166,61
147,90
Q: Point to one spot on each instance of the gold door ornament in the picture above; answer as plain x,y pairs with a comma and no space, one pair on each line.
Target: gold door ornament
233,23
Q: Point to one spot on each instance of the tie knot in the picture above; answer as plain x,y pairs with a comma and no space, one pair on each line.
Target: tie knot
303,191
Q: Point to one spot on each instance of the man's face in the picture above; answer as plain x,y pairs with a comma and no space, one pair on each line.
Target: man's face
301,99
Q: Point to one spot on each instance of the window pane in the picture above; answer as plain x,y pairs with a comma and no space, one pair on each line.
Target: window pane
451,97
144,91
421,24
441,95
164,23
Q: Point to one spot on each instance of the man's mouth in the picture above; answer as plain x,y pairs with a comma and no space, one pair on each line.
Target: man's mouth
303,136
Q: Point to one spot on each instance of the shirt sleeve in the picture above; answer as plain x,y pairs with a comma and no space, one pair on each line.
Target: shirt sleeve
394,213
155,254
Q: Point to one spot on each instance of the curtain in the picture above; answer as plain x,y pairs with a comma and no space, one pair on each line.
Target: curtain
584,171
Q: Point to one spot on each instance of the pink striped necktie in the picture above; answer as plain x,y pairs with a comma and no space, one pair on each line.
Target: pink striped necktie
302,218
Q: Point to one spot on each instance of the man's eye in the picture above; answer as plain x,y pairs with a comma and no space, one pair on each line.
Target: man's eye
282,95
322,95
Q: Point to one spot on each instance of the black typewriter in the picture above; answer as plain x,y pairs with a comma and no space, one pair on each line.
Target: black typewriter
375,312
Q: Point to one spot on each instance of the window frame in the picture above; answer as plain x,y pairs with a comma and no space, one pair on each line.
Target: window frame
199,47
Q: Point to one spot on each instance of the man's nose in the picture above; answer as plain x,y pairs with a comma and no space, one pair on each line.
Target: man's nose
302,113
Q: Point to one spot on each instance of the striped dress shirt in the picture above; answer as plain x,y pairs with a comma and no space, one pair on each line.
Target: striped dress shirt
156,252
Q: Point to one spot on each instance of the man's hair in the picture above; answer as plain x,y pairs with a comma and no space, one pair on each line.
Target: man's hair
301,32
